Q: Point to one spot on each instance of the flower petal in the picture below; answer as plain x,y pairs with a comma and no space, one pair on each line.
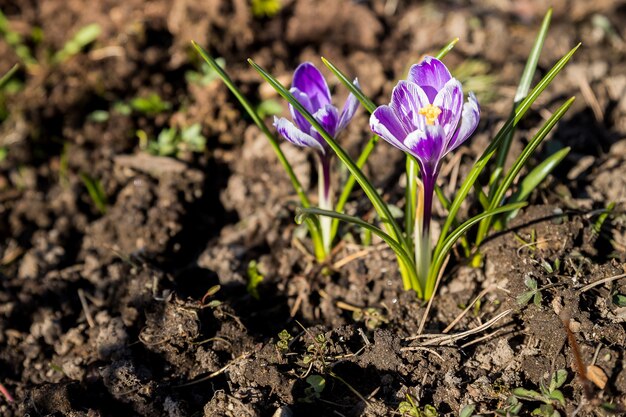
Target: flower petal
430,74
407,99
427,146
295,135
328,117
450,100
469,122
302,123
352,103
384,122
311,82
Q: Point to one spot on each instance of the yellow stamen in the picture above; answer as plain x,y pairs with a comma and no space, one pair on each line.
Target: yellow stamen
431,113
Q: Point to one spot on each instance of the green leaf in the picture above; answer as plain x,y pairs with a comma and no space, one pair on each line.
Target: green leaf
7,75
95,191
446,245
558,379
498,196
530,282
151,104
528,394
533,59
444,51
525,297
82,38
537,298
535,177
619,300
480,164
317,382
557,395
468,410
269,108
524,84
304,213
254,279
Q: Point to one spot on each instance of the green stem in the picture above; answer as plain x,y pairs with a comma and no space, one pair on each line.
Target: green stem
325,198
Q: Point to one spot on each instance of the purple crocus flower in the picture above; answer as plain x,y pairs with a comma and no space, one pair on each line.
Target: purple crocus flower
427,119
311,90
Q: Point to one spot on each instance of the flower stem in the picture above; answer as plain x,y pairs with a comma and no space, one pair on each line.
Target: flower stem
423,254
325,199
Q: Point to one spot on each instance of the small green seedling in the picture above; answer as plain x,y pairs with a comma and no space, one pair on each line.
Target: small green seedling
96,192
151,104
371,316
85,36
317,383
284,338
268,8
173,142
533,293
550,395
410,408
254,279
210,293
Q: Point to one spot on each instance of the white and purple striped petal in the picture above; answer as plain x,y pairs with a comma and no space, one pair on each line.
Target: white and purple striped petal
311,82
450,101
349,109
310,89
427,146
430,74
328,117
469,122
407,99
294,135
302,123
385,123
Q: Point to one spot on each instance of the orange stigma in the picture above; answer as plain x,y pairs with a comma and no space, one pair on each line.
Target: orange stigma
431,113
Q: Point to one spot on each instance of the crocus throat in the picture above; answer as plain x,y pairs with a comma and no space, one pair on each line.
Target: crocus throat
431,113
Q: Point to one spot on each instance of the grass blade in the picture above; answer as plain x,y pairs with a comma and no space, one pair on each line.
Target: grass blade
537,175
449,242
533,59
7,75
532,181
498,196
444,51
525,81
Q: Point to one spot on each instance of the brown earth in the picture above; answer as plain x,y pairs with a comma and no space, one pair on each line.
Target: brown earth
107,312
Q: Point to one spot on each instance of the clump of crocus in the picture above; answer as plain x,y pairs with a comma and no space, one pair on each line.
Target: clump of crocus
426,119
310,89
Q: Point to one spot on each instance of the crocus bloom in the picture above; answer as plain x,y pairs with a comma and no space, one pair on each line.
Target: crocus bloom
427,119
310,89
